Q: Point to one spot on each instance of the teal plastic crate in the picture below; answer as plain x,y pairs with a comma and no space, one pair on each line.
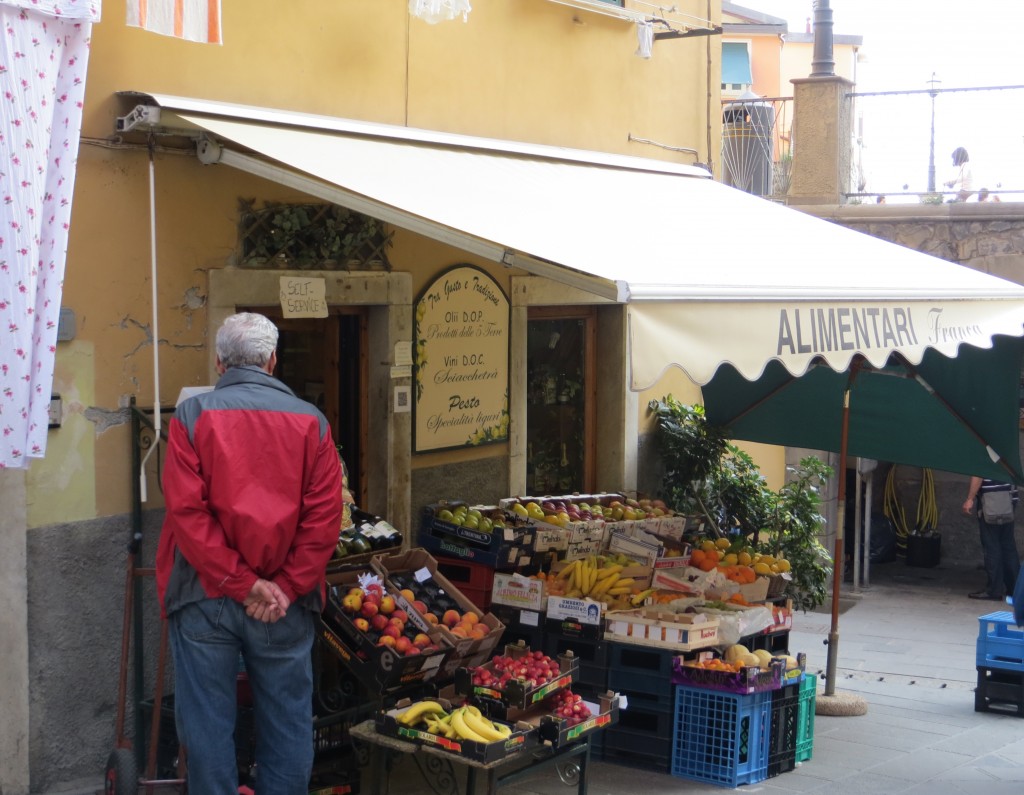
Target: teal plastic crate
720,738
805,718
1000,642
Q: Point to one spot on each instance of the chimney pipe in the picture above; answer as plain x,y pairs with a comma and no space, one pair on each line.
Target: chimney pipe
823,63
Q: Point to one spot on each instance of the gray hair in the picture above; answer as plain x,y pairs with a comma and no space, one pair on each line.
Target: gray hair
246,339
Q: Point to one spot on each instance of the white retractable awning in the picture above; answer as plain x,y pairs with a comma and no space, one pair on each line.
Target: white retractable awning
711,274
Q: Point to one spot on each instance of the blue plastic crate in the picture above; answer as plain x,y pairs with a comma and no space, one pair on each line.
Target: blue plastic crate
1000,642
721,738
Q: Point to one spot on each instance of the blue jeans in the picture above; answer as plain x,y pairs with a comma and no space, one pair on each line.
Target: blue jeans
206,639
1002,562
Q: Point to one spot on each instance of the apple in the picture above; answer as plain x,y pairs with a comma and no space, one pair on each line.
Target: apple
451,618
421,640
352,603
379,621
387,604
369,609
361,624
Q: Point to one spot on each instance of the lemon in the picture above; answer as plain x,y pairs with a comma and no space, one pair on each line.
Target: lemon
762,568
722,543
708,545
731,559
743,559
783,565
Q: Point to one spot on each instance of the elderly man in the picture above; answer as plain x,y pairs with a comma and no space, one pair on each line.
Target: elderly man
252,482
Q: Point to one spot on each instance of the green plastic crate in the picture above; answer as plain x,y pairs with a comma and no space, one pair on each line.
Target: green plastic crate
805,718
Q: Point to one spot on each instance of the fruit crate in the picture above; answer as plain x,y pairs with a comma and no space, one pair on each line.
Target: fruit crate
558,731
999,690
523,736
592,656
785,716
417,570
720,738
636,749
524,625
743,682
805,718
1000,642
640,670
666,629
474,580
517,693
508,547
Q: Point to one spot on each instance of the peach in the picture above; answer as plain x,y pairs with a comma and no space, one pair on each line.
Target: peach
431,618
402,644
409,595
393,630
352,603
387,605
368,609
418,606
476,633
400,613
412,650
386,640
361,624
459,631
421,640
451,618
379,621
470,618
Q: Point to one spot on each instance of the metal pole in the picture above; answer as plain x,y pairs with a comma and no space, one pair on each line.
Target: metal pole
832,659
823,63
931,146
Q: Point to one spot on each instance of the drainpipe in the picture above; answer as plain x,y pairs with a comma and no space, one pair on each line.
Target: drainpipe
823,63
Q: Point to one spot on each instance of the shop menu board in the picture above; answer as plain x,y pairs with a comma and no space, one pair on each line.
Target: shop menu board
461,360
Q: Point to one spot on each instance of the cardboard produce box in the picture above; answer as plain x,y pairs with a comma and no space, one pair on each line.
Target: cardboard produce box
416,570
515,590
656,626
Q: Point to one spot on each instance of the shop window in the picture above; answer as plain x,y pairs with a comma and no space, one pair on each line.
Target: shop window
560,401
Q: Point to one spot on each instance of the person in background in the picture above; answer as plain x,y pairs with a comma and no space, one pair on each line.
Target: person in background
998,545
984,195
252,483
964,179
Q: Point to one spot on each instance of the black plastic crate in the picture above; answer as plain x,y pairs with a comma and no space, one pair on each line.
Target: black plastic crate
640,669
637,749
592,655
774,642
999,690
516,629
785,712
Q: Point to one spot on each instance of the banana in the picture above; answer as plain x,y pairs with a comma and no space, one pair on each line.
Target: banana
416,712
640,598
564,573
604,585
503,729
482,726
464,731
608,571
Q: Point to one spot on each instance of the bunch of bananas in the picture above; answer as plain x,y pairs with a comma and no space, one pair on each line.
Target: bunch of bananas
595,577
462,723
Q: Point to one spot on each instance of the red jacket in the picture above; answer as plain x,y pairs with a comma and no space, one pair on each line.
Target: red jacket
252,484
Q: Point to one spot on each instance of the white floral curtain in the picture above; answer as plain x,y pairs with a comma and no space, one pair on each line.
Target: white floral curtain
43,57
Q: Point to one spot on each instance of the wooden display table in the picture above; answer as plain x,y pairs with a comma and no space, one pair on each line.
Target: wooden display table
522,764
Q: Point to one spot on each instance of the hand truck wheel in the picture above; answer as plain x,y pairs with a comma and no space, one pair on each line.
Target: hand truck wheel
122,776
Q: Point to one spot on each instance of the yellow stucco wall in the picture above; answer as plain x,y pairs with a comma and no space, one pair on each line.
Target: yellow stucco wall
526,70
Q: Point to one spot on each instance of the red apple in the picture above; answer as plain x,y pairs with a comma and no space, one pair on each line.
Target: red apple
369,609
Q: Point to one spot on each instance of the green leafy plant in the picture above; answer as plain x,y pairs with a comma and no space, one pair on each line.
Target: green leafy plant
706,475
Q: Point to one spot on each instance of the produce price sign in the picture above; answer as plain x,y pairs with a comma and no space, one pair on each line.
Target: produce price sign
461,361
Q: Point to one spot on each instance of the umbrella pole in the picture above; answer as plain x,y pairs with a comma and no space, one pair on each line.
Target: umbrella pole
839,556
